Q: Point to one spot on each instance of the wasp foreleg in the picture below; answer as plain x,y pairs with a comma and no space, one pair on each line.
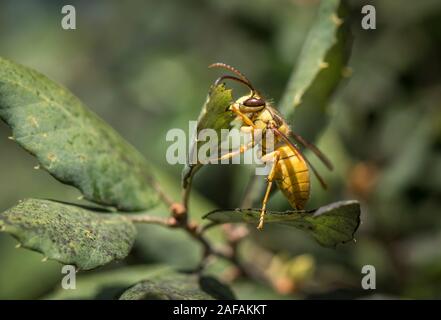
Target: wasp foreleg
245,119
235,109
242,148
270,157
234,153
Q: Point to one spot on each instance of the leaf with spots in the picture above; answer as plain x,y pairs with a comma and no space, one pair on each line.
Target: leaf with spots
71,142
177,286
329,225
214,115
320,69
69,234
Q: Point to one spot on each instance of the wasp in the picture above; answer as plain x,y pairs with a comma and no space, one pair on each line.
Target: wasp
290,169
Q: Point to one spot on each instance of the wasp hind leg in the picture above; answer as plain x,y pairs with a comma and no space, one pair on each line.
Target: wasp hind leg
274,158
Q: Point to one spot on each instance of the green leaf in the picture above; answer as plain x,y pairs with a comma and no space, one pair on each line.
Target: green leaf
177,286
320,68
329,225
174,288
71,142
68,233
106,285
214,115
215,288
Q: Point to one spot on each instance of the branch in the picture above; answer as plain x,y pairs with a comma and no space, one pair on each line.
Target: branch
179,219
195,232
146,218
186,193
162,195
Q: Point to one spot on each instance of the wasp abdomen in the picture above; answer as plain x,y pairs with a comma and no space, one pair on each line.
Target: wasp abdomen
292,177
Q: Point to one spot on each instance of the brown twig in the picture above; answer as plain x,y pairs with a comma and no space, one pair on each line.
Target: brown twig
145,218
179,219
162,195
186,192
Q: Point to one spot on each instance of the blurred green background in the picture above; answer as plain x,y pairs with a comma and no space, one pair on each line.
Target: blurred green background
142,66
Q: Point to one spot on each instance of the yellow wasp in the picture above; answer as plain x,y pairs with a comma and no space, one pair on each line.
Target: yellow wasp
290,168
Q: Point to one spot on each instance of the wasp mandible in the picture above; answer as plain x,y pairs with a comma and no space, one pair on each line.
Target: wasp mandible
289,167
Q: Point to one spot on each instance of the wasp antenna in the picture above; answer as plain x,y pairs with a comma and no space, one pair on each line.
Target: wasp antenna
230,68
220,79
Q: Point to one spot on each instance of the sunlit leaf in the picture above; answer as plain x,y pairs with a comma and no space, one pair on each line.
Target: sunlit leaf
214,115
71,142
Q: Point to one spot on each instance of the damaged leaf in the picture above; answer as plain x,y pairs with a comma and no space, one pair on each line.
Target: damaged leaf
329,225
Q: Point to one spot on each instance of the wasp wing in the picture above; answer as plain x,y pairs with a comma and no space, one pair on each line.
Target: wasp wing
314,149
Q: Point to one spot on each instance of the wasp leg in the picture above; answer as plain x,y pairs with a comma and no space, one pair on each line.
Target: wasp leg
235,109
244,117
242,148
232,154
250,130
274,156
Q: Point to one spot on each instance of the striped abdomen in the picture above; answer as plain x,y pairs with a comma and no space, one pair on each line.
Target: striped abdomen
292,177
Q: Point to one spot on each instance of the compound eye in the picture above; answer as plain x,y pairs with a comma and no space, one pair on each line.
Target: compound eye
254,102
